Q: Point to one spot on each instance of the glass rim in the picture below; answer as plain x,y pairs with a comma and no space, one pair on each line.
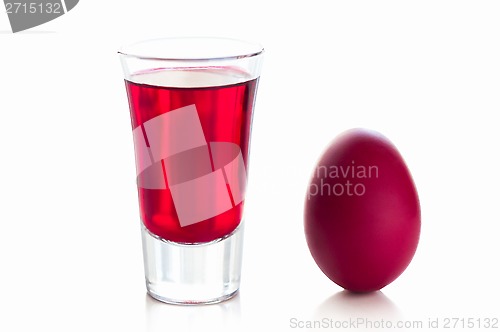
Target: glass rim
172,48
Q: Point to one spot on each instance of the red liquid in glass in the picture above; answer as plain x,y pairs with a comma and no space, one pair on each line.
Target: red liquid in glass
225,113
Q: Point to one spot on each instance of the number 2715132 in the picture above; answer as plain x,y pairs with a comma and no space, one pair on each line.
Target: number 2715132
33,8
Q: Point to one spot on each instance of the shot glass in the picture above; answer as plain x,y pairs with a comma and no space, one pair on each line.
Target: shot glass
191,106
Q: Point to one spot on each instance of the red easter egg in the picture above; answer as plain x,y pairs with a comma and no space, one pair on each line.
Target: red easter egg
362,212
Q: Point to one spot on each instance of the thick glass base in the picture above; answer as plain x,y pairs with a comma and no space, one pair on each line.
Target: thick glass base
192,273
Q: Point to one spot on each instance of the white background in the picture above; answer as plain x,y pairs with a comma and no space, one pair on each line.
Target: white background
424,73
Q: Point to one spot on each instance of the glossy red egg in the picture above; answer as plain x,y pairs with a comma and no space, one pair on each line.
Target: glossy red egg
362,212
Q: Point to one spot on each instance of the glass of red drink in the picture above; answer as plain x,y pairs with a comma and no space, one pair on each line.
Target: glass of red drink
191,104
